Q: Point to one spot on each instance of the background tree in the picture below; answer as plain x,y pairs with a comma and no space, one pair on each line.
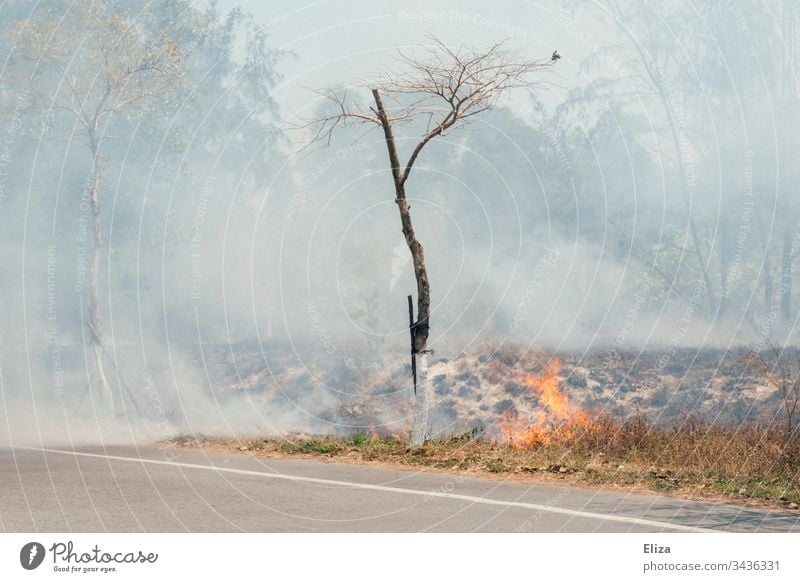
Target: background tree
710,81
656,72
434,93
91,65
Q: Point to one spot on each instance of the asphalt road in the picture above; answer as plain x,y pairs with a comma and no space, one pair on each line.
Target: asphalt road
152,489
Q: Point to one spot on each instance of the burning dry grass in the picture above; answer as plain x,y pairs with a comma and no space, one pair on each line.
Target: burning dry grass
556,417
690,458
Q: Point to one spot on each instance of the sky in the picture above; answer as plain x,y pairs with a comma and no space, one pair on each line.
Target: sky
336,42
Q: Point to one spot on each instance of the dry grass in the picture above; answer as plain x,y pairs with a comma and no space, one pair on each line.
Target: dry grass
740,464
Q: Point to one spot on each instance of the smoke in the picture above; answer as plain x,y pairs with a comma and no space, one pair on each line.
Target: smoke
250,287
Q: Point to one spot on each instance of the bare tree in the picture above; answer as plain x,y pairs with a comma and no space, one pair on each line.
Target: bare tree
94,65
434,93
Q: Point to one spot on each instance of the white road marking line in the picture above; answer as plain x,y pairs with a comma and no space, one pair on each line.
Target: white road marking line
384,488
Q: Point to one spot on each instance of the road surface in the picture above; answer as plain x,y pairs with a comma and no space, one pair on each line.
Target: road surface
152,489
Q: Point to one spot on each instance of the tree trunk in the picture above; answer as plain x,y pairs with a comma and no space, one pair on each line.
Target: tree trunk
419,430
421,327
95,321
422,324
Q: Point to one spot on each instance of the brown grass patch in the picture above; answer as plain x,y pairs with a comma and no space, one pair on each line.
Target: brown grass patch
747,464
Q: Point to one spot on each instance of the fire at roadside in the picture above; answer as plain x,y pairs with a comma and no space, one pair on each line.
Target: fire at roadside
507,395
543,416
555,417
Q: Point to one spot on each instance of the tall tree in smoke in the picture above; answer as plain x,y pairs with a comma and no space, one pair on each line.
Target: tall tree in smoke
91,65
434,93
720,78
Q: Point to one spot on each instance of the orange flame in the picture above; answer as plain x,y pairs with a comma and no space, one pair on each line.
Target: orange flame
557,417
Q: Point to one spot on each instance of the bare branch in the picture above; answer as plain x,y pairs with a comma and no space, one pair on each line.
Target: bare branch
440,87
